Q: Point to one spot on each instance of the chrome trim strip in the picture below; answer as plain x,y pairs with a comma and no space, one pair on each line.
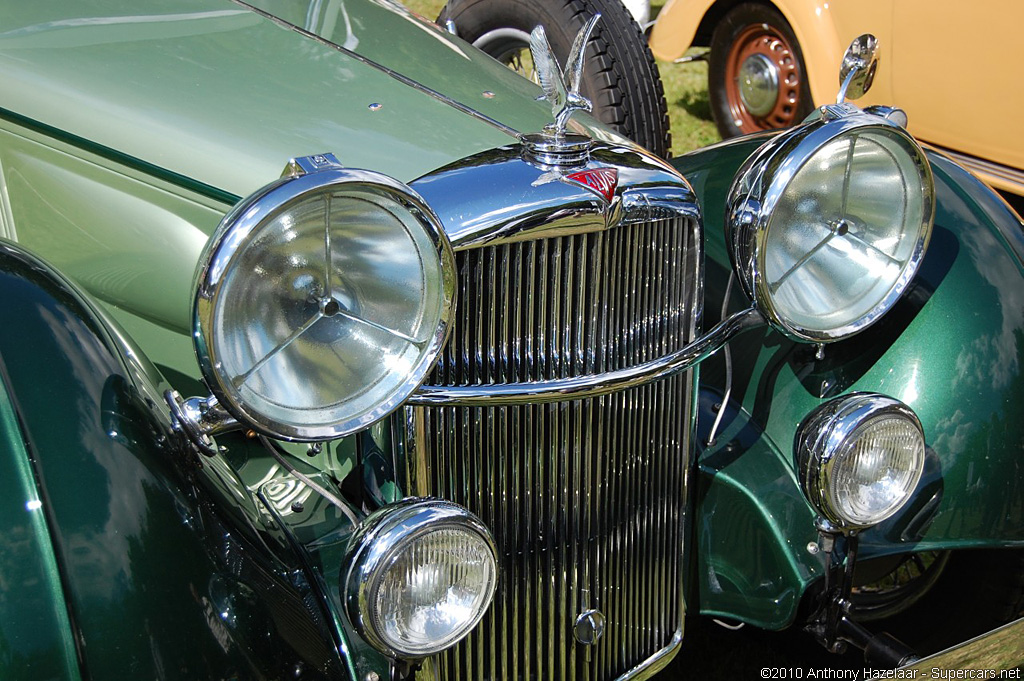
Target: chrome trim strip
995,651
405,80
577,387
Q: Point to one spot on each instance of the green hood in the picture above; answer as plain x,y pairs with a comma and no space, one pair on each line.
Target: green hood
225,93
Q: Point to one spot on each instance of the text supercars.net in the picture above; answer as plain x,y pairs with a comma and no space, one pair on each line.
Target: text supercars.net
934,673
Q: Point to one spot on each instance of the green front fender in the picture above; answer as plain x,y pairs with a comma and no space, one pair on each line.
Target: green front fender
123,556
951,348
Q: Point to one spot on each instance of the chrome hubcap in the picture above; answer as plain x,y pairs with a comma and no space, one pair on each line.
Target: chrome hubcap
758,84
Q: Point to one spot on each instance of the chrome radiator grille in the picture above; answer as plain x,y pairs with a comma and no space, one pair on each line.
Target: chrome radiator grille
585,498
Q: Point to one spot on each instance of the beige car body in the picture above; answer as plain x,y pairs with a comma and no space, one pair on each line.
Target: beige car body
949,65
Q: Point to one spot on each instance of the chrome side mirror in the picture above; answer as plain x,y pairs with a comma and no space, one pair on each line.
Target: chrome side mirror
857,72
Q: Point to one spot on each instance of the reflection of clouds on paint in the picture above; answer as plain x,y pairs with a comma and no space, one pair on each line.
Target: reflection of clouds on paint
991,360
101,554
952,433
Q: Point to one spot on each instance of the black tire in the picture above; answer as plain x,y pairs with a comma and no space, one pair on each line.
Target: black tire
973,592
621,78
756,34
885,587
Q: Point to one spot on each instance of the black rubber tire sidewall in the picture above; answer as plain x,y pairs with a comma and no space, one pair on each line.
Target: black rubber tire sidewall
979,590
620,77
725,34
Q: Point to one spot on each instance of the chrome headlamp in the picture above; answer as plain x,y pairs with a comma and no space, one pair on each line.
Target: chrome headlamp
829,222
322,302
860,458
422,575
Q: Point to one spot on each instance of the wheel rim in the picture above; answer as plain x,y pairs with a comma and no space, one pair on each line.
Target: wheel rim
762,80
510,46
904,581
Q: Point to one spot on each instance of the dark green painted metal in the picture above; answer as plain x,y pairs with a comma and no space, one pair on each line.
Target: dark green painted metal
36,639
952,348
167,570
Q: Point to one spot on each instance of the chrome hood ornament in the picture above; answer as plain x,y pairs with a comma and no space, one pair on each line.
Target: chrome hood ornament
561,86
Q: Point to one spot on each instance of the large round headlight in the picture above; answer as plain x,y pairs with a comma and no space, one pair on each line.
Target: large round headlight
423,573
860,458
829,223
322,302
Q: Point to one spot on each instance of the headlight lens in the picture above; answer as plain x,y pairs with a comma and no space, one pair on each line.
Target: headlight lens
323,301
424,573
860,457
830,224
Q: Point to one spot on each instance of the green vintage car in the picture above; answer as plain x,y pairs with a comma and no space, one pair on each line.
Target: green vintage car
331,351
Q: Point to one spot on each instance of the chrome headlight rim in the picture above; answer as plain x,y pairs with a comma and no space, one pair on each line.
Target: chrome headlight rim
760,184
239,226
824,434
377,545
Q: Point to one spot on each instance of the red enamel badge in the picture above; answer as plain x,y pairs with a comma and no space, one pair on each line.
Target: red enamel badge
601,180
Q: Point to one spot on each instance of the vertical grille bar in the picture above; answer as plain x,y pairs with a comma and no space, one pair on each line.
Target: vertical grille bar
584,497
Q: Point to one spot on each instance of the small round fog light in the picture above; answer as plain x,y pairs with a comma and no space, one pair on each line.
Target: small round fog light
423,573
860,458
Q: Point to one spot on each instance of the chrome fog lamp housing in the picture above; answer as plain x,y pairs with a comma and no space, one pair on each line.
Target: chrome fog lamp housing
422,575
860,457
322,301
829,222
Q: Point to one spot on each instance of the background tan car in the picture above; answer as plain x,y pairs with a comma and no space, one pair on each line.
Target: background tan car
952,66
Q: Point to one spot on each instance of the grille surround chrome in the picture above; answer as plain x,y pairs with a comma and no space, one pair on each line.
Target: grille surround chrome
590,486
493,460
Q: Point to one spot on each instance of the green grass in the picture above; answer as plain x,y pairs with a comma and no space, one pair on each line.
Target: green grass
685,91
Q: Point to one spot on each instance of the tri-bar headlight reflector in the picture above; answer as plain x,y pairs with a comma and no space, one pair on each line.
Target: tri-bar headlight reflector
423,573
860,457
829,224
322,302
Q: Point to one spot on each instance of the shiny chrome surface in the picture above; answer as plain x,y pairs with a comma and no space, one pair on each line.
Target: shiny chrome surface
857,72
585,497
825,431
199,420
561,86
380,537
218,263
568,149
503,195
759,84
577,387
760,185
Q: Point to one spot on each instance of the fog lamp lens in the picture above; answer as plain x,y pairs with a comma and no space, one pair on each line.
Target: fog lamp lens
423,575
860,458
